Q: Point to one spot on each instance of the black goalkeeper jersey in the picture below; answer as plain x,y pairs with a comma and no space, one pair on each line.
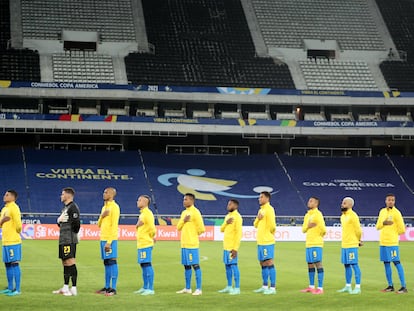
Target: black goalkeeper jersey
69,230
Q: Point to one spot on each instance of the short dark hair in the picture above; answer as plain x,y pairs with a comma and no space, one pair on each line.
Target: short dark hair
316,199
13,192
390,195
235,202
266,194
147,197
69,190
192,196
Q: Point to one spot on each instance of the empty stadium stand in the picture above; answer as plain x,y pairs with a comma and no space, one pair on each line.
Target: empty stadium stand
83,66
15,64
88,172
367,180
4,24
337,75
286,23
399,17
45,19
202,43
405,168
19,65
39,176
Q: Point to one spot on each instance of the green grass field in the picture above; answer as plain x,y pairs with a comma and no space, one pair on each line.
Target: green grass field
42,273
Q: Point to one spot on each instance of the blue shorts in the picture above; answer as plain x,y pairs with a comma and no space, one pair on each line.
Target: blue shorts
349,256
228,259
389,253
313,254
265,252
12,253
144,254
113,253
190,256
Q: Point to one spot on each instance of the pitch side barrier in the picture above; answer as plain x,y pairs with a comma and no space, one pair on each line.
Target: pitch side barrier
44,227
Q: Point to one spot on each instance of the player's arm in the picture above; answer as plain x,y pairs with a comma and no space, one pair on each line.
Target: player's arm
74,216
357,227
256,222
153,229
224,224
199,223
322,225
400,224
100,217
305,224
17,220
380,221
115,212
238,233
272,220
181,222
4,219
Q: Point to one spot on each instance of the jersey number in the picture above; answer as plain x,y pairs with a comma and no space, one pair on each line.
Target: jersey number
314,254
265,252
190,257
66,249
143,255
394,253
11,253
351,256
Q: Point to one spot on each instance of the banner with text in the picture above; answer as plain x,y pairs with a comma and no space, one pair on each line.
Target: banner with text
170,233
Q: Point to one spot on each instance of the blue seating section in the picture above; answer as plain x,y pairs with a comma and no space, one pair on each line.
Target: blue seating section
366,180
39,177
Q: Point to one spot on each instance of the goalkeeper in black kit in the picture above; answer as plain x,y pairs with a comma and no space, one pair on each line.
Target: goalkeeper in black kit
69,223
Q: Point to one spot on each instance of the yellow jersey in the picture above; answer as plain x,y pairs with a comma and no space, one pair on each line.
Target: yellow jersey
109,224
146,232
11,229
389,235
314,236
351,229
266,227
232,232
191,230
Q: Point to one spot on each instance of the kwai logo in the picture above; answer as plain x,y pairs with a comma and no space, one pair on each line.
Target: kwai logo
206,188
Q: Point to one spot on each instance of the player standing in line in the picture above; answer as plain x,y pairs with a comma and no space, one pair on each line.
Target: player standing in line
108,222
315,229
232,228
145,242
191,226
265,223
69,224
11,225
351,240
391,225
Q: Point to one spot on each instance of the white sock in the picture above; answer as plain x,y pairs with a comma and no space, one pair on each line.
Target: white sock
65,288
357,285
348,285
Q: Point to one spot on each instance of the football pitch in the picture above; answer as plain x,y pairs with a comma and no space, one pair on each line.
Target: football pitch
42,273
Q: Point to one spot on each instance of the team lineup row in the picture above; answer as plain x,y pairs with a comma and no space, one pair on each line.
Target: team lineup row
390,223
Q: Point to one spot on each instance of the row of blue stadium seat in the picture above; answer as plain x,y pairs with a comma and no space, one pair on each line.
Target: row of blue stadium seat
39,176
